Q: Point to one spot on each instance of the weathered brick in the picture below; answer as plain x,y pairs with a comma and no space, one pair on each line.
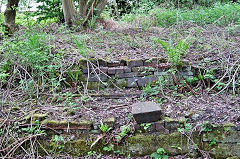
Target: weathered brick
142,69
113,64
145,112
222,136
112,71
172,124
119,70
97,70
127,69
134,63
154,61
160,127
145,80
95,78
127,75
132,82
164,73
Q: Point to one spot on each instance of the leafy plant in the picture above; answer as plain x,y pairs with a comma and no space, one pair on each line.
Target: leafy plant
125,129
207,127
160,154
49,9
146,126
174,53
35,129
212,142
187,127
109,148
57,144
32,59
104,128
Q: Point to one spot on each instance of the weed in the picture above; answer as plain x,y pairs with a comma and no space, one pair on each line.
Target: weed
93,154
212,143
207,127
160,154
174,53
109,148
33,61
57,144
125,129
145,126
187,127
35,129
104,128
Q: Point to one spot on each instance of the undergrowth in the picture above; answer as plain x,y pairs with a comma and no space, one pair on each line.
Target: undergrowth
219,14
29,63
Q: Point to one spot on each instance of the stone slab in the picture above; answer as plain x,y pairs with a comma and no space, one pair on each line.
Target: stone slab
146,112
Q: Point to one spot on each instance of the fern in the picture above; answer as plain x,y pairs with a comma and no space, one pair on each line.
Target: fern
174,53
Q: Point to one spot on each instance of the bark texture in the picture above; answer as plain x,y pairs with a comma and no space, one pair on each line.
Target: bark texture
10,15
69,12
83,8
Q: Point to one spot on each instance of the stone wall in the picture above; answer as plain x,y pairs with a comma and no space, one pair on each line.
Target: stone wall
128,73
220,141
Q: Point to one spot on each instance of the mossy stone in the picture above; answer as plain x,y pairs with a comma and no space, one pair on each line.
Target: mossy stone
34,117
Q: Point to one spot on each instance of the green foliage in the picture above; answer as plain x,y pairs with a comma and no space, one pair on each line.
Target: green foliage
109,148
174,53
57,144
212,142
104,128
218,14
149,90
32,58
207,127
201,15
81,46
153,89
145,126
190,3
187,128
35,129
125,129
160,154
49,9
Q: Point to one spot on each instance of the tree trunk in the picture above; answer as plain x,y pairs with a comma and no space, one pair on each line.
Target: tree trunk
83,8
100,6
69,12
10,15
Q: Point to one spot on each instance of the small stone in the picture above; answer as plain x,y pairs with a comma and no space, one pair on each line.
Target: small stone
122,83
145,112
95,132
172,124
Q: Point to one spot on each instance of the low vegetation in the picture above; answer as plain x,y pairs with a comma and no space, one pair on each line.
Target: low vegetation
42,61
